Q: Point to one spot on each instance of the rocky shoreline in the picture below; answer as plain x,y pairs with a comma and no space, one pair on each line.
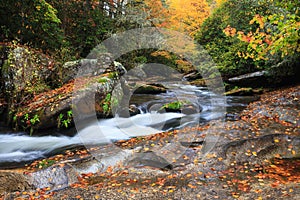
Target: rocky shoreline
255,157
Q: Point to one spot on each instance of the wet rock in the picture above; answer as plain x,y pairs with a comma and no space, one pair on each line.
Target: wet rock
190,109
128,112
192,144
250,79
150,89
240,92
134,110
192,76
180,107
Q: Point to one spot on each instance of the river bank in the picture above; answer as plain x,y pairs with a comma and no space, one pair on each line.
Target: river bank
255,157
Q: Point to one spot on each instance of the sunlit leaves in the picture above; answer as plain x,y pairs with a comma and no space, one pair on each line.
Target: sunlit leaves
277,34
187,16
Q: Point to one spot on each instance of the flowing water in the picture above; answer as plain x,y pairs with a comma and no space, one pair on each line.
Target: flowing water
20,148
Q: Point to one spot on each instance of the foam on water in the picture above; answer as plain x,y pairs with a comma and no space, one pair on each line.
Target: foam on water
18,147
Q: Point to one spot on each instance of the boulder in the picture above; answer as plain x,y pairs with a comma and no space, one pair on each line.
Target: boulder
240,92
89,94
192,76
150,89
29,100
285,72
55,108
187,108
13,182
89,67
24,72
255,79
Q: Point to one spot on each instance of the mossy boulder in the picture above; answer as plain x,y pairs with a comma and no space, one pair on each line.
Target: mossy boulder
38,94
54,109
24,73
150,89
96,66
180,107
240,92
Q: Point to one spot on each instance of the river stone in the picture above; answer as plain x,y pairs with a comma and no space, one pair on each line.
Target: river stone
12,182
192,76
150,159
54,177
128,112
150,89
89,67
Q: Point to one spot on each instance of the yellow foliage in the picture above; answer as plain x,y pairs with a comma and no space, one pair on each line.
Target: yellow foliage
187,16
219,2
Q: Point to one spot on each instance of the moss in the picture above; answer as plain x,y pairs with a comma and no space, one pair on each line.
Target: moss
198,82
113,75
176,105
150,89
102,80
240,92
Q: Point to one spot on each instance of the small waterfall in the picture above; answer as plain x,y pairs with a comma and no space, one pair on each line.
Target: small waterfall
20,147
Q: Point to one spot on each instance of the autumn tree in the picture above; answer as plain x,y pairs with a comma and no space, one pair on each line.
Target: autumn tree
84,23
143,13
224,50
276,35
187,16
31,21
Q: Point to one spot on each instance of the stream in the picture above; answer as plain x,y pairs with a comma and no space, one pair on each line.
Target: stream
18,147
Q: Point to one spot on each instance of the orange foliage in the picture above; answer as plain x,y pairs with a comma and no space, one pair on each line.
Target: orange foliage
157,12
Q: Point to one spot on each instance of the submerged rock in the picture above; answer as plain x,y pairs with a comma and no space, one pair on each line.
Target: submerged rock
128,112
